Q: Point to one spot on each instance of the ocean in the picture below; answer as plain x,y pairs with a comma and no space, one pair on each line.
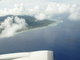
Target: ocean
63,39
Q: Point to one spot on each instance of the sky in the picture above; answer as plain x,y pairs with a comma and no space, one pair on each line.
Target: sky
6,3
68,1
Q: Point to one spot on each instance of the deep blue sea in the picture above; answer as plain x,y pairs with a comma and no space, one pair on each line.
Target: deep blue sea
63,39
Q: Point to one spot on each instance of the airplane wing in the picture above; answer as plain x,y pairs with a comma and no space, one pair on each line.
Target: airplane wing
36,55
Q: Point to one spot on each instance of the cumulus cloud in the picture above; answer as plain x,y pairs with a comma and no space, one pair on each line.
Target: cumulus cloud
17,10
72,11
75,13
10,26
50,10
75,16
41,16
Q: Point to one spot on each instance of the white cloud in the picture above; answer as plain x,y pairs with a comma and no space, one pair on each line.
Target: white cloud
41,16
9,28
75,13
72,10
17,10
50,10
74,16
